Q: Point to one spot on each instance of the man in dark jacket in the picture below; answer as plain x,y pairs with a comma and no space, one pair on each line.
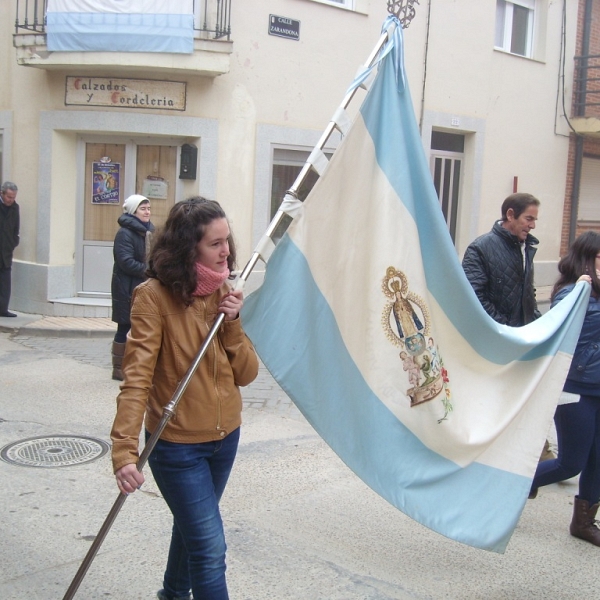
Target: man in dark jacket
9,240
499,264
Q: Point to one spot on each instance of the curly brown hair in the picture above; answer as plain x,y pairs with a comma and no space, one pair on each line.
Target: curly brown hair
173,256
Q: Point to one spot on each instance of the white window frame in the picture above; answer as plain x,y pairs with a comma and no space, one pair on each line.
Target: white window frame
445,156
269,137
504,23
347,4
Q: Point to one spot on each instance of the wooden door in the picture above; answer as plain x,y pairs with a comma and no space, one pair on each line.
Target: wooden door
155,178
156,168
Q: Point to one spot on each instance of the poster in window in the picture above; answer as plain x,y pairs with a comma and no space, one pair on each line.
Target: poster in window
106,177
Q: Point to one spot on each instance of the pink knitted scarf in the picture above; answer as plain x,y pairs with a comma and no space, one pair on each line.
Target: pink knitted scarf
208,281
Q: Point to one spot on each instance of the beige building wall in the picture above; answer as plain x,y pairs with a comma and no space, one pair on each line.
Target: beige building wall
511,103
282,93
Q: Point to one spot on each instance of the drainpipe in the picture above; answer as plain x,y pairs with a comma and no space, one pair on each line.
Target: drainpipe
425,68
575,190
580,112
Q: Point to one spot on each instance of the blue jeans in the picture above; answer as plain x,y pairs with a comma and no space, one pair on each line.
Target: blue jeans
578,435
192,478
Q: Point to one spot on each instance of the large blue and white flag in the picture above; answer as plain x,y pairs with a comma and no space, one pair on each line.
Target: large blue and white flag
366,320
120,26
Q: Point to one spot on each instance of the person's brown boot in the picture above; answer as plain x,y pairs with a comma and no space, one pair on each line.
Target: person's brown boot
118,350
584,525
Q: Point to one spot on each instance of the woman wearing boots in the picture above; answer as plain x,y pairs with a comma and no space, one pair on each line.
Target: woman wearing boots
172,313
578,423
129,251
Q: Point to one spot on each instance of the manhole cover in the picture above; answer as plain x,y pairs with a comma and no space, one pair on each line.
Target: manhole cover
54,451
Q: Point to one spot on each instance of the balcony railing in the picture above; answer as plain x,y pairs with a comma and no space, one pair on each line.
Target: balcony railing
586,83
212,18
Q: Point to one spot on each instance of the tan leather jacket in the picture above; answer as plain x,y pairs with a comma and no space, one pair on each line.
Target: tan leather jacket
164,339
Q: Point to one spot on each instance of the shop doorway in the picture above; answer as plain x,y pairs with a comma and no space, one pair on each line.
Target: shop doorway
113,172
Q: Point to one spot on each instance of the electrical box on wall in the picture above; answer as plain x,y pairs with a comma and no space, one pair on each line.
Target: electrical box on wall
189,161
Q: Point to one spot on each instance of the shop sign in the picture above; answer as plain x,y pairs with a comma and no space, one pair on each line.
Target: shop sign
284,27
125,93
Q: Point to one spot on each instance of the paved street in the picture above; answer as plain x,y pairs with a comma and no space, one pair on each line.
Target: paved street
299,524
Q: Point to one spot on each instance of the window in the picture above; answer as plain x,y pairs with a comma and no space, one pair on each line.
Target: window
349,4
446,158
287,164
515,26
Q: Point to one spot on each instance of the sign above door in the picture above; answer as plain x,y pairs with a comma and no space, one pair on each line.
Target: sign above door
125,93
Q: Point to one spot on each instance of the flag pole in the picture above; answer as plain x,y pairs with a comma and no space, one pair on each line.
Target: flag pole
404,13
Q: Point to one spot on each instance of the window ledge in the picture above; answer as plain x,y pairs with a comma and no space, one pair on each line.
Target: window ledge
586,126
209,59
530,58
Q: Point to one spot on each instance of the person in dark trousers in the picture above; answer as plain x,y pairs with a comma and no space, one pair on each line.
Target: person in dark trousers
577,417
9,240
499,267
131,245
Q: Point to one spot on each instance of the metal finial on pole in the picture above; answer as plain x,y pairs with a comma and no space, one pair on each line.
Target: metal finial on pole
404,10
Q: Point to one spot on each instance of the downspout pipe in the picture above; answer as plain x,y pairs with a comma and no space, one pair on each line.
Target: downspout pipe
575,189
580,112
425,67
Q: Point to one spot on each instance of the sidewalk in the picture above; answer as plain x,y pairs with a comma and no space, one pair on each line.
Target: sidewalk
28,324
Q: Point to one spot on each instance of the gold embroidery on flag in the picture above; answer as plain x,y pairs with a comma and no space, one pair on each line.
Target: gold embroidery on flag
407,324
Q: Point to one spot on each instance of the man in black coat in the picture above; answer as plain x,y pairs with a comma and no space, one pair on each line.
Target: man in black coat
499,264
9,240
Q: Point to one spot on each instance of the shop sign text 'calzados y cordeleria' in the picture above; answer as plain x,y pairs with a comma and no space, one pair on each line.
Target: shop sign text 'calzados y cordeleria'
125,93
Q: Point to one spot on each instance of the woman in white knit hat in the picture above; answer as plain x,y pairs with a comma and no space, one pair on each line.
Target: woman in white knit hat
130,249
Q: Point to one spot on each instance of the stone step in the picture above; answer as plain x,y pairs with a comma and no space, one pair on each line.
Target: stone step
79,306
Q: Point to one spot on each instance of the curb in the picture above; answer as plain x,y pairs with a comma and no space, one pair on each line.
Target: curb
77,327
58,333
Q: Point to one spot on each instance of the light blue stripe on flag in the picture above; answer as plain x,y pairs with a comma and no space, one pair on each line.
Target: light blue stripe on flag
116,32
